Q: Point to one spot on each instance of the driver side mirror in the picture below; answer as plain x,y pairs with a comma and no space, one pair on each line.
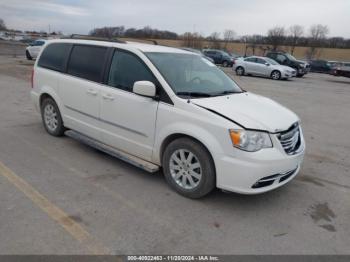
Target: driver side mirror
144,88
267,64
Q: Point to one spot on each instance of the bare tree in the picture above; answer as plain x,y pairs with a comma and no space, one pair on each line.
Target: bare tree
276,36
296,31
229,36
251,42
215,39
103,32
2,24
194,40
318,34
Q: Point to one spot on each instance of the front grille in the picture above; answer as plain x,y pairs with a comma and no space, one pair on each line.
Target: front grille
290,139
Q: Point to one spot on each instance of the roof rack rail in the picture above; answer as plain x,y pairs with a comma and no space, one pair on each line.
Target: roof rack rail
95,38
142,40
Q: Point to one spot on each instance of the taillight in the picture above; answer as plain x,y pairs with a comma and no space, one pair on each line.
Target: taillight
32,78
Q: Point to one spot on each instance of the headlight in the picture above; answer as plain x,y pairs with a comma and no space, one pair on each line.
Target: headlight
251,141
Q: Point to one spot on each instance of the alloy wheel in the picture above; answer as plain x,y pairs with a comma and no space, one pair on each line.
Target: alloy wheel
276,75
50,117
185,169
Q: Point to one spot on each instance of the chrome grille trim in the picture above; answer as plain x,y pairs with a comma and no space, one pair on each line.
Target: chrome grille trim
290,139
277,178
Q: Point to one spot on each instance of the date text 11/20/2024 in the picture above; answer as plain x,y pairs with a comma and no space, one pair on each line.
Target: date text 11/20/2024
173,258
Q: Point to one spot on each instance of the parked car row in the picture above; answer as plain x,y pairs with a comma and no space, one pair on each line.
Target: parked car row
301,67
330,67
341,69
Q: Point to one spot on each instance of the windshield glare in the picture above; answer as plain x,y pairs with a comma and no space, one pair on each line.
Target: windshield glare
290,57
190,73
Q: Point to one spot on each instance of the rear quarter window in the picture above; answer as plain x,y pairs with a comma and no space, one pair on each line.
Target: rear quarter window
87,62
54,56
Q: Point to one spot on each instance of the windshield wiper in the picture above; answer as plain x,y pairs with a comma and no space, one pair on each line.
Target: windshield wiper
194,94
227,92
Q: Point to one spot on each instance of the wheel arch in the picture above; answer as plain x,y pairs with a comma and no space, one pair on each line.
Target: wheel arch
172,137
44,96
49,93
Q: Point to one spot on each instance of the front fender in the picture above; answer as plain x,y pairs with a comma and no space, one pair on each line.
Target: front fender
191,130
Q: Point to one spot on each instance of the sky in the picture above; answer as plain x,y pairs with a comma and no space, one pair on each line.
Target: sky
245,17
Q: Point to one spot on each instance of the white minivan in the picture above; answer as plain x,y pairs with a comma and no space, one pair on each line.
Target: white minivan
161,107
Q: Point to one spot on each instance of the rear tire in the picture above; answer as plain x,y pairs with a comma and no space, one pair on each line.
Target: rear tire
239,71
51,118
189,168
29,57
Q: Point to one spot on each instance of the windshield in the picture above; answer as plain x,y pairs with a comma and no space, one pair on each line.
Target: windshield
290,57
225,53
271,61
192,75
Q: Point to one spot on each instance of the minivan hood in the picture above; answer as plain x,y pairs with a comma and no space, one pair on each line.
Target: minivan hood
250,111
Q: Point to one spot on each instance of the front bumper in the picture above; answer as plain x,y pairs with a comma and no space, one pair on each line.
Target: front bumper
303,70
289,74
243,174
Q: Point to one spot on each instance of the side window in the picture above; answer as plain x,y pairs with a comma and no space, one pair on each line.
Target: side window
54,56
281,58
126,69
87,62
250,59
260,61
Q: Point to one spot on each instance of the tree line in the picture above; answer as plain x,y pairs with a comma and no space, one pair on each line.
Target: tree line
314,37
121,31
295,35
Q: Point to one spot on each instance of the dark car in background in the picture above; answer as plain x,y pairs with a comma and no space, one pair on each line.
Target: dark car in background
283,58
199,52
220,57
320,66
341,69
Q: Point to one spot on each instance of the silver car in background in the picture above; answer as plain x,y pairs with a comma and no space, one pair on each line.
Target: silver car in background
263,66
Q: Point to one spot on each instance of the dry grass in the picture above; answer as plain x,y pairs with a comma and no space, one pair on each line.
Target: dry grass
299,52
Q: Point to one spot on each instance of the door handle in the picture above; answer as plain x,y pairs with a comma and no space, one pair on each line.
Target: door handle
92,92
108,97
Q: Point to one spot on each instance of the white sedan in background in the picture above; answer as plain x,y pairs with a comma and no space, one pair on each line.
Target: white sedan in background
263,66
33,50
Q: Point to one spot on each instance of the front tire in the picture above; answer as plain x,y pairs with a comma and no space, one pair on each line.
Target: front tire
225,64
189,168
239,71
51,118
276,75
